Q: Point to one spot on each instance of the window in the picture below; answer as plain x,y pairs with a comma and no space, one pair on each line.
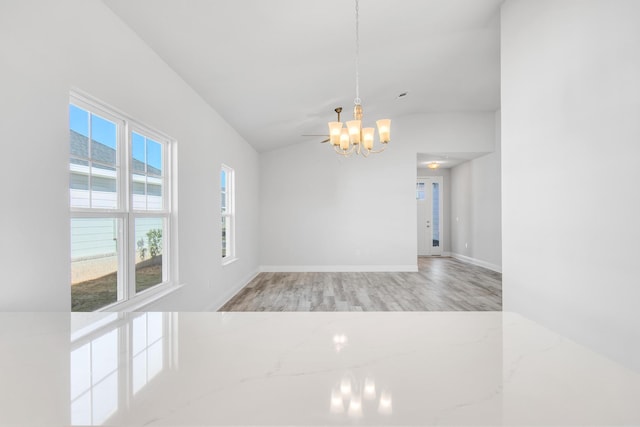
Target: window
227,196
420,194
120,206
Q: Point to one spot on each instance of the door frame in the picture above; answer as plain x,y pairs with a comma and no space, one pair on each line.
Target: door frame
440,180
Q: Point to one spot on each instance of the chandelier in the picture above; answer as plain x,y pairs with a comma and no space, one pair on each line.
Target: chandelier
354,138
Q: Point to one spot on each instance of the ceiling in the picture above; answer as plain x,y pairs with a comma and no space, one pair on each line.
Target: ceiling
445,160
276,69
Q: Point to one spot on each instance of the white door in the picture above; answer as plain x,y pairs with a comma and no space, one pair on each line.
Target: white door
429,200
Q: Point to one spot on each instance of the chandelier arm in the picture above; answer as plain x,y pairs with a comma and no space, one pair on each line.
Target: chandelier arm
378,151
343,152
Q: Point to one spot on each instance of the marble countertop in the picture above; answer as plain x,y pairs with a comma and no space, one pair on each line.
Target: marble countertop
434,368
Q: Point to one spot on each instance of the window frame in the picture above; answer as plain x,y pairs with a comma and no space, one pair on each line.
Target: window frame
164,212
229,212
127,297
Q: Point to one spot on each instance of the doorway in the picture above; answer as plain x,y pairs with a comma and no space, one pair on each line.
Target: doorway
429,203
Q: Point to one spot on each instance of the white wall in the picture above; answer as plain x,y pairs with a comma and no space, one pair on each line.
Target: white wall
319,211
476,221
571,144
446,203
47,48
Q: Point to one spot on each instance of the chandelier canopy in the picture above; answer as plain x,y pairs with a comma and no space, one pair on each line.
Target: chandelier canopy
354,138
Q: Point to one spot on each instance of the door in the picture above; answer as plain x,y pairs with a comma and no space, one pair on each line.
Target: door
429,201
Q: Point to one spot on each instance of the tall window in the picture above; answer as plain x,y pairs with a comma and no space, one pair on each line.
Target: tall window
227,195
120,206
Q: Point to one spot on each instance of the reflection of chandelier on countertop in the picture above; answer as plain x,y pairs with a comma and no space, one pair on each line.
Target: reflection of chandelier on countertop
354,138
351,396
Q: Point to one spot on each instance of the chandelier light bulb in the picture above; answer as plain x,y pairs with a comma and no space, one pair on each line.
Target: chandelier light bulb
335,129
367,137
344,139
354,131
384,130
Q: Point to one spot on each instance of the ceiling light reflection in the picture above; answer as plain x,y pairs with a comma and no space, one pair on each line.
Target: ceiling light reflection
359,397
385,407
339,341
355,407
369,389
337,406
345,387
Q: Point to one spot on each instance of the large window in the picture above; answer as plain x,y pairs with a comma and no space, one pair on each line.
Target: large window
228,213
120,206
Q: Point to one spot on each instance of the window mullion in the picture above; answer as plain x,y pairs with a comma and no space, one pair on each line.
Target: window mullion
166,269
122,256
128,194
121,172
131,259
90,162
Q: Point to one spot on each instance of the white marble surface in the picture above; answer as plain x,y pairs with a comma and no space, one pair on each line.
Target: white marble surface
444,368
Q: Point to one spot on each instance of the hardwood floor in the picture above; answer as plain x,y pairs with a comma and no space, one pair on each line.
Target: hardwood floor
442,284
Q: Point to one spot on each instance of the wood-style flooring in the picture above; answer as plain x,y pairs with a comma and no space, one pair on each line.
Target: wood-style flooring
441,284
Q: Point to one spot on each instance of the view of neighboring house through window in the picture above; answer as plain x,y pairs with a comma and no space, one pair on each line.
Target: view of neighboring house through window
228,213
120,208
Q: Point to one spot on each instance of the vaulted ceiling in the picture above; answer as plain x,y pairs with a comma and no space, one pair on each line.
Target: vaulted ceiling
276,69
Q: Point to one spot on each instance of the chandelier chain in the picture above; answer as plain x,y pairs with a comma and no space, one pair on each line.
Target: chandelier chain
357,101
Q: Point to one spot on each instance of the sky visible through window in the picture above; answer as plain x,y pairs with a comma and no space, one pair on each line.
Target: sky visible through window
153,150
104,132
79,120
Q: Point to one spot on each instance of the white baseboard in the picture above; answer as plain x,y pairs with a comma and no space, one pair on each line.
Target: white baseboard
478,262
219,302
336,268
443,254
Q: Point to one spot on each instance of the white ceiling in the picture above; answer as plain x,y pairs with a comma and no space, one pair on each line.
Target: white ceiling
276,69
445,160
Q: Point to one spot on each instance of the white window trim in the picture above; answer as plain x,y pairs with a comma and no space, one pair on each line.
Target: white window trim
231,214
124,212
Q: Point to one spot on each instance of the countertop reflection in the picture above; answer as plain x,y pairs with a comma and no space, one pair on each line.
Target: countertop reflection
445,368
